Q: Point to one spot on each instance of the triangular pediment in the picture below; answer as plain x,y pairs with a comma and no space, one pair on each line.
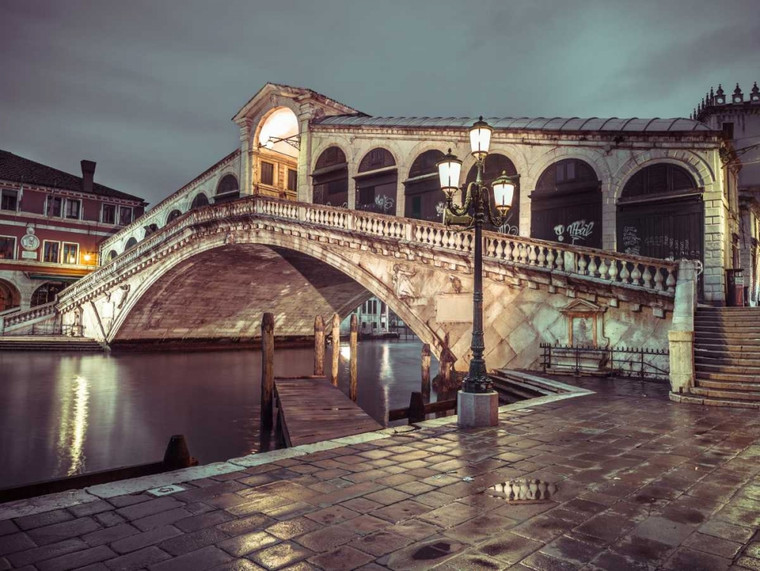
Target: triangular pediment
272,92
582,306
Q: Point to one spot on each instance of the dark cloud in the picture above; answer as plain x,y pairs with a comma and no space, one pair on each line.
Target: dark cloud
148,88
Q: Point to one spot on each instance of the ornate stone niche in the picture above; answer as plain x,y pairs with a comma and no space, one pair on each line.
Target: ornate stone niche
585,323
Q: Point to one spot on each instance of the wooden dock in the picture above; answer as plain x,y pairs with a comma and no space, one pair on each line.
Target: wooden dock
311,410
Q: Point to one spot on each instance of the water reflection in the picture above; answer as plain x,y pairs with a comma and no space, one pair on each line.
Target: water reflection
67,414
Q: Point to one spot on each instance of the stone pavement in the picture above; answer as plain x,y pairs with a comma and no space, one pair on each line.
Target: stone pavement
643,483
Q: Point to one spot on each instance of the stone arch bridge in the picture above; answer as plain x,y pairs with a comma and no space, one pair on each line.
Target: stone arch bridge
214,271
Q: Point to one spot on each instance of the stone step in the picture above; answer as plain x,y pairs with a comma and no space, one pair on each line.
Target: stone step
701,373
730,351
730,369
714,401
724,337
727,394
750,324
726,346
512,387
730,385
727,359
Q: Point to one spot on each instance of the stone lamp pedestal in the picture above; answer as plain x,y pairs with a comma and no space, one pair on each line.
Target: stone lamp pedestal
477,409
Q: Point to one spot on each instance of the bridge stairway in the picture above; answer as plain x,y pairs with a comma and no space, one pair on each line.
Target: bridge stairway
514,386
47,343
727,357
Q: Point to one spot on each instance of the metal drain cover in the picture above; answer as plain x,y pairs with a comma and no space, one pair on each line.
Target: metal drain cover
523,491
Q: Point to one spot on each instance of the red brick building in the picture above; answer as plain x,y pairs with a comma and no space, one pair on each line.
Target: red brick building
51,223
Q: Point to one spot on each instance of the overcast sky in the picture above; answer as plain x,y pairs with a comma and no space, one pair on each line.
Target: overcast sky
147,87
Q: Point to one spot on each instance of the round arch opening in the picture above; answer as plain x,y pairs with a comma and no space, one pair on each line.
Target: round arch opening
660,214
275,158
227,189
10,297
377,182
566,205
173,215
423,196
330,178
199,201
46,293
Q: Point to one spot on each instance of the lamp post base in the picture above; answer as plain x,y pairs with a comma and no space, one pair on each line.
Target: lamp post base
477,409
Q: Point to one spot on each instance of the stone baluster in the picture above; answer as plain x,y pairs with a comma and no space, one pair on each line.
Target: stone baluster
636,274
550,258
613,271
603,267
582,263
670,282
541,257
532,255
624,273
647,277
658,279
523,254
592,267
507,254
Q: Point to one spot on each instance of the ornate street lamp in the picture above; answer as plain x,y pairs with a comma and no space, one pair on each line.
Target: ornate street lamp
478,207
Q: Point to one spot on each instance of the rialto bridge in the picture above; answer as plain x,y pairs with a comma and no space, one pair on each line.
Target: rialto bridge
664,188
213,271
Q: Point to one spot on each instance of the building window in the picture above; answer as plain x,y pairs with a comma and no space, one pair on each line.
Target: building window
70,253
51,251
108,214
7,247
125,215
9,200
73,208
54,206
267,173
292,179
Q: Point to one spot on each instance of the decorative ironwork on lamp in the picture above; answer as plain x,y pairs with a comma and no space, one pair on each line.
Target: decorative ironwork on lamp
479,205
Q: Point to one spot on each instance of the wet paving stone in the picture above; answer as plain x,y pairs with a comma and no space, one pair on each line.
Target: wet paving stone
425,555
281,555
509,547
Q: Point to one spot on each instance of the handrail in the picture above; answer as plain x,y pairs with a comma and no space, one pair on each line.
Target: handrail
36,312
615,268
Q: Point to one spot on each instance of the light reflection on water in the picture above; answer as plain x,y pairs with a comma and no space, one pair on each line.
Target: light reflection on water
65,414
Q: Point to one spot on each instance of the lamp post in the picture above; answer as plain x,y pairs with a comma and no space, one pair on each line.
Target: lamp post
478,403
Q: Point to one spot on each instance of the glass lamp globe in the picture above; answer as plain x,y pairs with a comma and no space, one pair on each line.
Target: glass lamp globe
480,138
503,192
449,169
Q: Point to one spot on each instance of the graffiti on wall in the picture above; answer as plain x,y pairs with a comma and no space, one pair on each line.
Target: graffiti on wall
575,231
631,240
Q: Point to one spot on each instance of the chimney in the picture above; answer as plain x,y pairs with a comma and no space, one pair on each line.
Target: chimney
88,172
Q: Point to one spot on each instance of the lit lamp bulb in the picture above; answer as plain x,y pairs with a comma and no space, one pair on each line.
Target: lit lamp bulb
449,169
269,144
87,257
503,192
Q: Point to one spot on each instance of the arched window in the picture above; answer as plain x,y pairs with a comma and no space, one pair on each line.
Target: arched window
173,215
567,205
376,182
199,200
150,229
495,165
9,296
131,243
424,198
112,254
227,189
660,214
46,293
331,178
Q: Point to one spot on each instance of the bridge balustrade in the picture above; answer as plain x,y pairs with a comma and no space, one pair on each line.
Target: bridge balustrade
606,266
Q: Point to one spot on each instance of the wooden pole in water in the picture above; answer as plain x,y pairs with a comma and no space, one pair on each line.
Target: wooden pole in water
319,346
353,342
267,370
335,349
425,358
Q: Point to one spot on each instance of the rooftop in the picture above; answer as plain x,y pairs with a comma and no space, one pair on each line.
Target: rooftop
18,169
563,124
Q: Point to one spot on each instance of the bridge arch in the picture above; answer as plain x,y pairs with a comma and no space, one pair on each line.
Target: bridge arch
377,182
208,246
10,296
199,200
172,216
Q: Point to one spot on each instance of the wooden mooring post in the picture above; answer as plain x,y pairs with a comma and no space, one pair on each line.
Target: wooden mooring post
335,349
319,346
267,370
425,359
353,343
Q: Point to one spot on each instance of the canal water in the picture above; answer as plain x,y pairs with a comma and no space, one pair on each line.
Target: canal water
63,414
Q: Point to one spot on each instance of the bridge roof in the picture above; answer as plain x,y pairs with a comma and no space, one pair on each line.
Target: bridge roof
566,124
18,169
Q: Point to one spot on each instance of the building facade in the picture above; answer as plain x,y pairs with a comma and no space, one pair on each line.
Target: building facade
737,116
666,188
51,225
